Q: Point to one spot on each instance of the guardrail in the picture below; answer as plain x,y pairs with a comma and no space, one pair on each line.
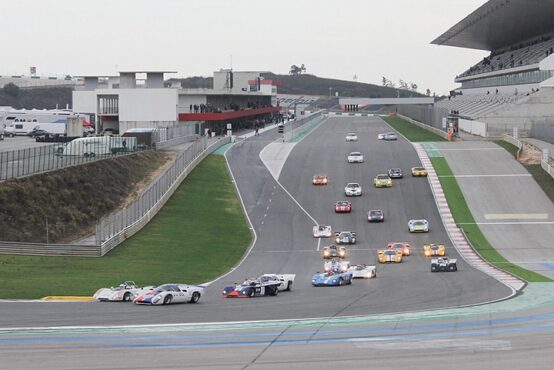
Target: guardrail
120,225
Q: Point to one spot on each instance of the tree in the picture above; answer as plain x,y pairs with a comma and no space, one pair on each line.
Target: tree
294,70
385,81
413,86
11,89
428,92
302,68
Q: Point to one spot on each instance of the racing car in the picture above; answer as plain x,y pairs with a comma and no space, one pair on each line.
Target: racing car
375,215
419,172
388,136
434,250
443,264
389,256
343,207
382,180
345,237
285,280
351,136
336,265
355,157
353,189
333,251
252,288
331,278
125,292
396,173
401,246
171,293
320,180
322,231
363,271
418,226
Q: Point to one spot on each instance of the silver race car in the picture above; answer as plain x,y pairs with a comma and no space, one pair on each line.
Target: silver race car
353,189
345,237
125,292
444,264
322,231
363,271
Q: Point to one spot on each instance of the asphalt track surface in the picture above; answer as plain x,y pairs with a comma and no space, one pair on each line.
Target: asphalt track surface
285,243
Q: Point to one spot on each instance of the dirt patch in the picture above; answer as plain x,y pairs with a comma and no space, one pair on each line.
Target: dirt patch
530,154
68,202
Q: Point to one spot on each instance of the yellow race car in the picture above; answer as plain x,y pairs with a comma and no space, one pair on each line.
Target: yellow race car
389,256
382,181
419,172
430,250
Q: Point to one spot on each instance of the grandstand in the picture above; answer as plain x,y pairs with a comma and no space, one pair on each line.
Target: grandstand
514,85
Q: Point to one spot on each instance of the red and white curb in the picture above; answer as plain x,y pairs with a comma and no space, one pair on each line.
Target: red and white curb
456,236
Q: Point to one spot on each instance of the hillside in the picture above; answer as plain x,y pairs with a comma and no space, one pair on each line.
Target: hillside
38,98
306,84
71,199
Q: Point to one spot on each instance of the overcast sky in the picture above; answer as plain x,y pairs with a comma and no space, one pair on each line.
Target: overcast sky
333,38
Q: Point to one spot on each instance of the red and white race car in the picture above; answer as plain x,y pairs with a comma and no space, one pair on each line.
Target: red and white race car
343,207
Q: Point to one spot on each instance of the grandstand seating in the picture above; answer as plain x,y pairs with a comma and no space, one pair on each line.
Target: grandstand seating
517,56
478,105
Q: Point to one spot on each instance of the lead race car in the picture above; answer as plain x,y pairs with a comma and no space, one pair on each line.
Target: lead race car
251,288
322,231
285,280
125,292
171,293
351,136
345,237
444,264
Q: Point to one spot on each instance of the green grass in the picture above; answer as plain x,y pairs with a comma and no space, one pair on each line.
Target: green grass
545,181
462,214
412,132
178,245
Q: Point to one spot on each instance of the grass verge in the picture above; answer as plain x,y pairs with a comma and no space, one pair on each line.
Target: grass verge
545,181
198,235
462,214
410,131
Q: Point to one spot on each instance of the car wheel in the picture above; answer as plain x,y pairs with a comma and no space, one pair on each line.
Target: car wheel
341,282
433,269
251,293
127,297
92,155
168,299
85,155
195,297
276,291
289,286
374,274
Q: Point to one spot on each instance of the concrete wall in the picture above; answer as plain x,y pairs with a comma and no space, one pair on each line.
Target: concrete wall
84,101
386,101
142,105
473,127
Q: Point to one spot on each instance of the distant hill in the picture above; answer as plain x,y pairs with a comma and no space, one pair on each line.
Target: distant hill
306,84
38,98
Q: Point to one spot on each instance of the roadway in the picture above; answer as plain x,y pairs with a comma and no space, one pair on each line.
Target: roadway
285,244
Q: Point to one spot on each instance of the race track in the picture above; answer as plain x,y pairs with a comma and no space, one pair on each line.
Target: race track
285,244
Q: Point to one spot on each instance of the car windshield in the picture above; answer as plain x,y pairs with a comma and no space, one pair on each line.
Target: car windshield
434,246
375,213
382,177
352,186
419,169
397,245
419,223
390,253
344,234
355,154
342,203
351,134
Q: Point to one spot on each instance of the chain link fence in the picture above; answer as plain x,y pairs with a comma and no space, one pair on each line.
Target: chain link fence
31,161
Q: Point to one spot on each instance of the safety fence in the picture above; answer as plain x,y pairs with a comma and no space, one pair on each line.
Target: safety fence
49,157
122,224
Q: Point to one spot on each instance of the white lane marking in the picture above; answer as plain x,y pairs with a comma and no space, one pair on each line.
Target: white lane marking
509,223
318,244
270,200
516,216
267,208
394,343
265,214
262,222
471,176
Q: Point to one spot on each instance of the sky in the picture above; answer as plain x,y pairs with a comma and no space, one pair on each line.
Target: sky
370,39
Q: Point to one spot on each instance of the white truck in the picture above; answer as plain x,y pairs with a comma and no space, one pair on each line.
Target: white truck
99,145
19,128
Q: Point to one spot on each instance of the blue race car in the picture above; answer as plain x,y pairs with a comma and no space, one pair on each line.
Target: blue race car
331,278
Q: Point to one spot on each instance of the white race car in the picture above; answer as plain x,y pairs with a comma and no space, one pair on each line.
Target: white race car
285,280
125,292
351,136
355,157
353,189
387,136
336,265
322,231
363,271
171,293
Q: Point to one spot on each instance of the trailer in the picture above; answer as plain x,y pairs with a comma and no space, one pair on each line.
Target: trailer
99,146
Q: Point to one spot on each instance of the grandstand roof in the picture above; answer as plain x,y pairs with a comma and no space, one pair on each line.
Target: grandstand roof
501,23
